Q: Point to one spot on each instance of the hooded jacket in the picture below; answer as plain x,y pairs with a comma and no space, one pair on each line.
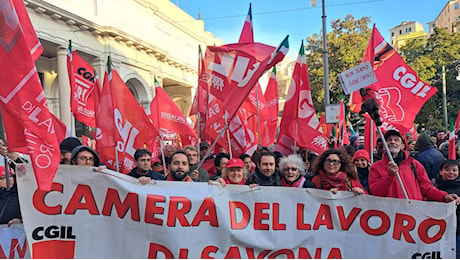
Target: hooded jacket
428,156
79,148
418,186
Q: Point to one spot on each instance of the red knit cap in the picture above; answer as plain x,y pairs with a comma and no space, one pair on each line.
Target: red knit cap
361,154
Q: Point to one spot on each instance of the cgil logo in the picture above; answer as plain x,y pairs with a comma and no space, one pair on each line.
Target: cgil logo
62,232
427,255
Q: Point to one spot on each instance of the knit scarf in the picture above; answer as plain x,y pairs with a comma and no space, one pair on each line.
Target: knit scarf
298,183
242,182
327,181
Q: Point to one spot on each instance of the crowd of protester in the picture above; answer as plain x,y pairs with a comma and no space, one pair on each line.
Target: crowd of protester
420,161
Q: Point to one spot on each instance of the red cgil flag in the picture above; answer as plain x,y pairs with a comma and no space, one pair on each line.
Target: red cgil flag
234,69
167,117
84,90
122,124
343,129
299,108
398,90
28,123
269,122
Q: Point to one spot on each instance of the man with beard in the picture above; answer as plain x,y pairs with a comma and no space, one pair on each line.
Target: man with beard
142,171
383,181
179,167
265,173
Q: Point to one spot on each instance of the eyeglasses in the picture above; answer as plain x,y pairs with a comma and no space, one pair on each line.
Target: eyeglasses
334,162
85,159
290,169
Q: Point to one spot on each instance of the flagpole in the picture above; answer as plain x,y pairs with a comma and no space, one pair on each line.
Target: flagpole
258,114
228,139
390,158
159,128
212,145
198,99
371,141
295,136
5,158
198,131
162,154
116,159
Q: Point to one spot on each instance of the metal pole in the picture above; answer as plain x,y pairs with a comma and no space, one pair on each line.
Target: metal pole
212,145
325,60
371,141
258,114
390,158
444,98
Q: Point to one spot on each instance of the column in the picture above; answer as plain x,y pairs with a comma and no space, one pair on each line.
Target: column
64,89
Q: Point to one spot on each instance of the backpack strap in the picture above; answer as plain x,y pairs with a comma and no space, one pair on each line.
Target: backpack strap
413,169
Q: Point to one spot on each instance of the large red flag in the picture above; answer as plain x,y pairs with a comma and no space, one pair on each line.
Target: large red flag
84,89
299,108
398,91
200,101
269,122
121,122
21,96
167,117
234,69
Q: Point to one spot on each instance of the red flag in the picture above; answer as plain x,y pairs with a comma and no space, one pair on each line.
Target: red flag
200,101
457,122
326,128
33,43
84,89
122,121
369,135
247,34
167,117
235,68
21,96
299,108
398,90
269,122
452,152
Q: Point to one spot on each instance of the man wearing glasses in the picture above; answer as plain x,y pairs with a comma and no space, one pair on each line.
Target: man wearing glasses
85,156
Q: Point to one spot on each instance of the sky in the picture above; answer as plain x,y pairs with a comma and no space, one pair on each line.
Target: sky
274,19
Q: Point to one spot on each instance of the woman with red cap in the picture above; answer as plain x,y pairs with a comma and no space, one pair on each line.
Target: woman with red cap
362,163
234,173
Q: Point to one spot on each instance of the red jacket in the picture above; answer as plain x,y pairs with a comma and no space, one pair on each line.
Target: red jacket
383,184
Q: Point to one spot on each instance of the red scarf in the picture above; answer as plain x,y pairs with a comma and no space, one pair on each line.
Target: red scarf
327,181
297,183
242,182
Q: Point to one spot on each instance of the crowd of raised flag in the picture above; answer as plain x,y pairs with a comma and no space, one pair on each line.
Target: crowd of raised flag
235,124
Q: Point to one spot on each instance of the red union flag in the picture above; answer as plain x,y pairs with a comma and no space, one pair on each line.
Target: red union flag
299,112
398,91
269,122
122,121
234,69
167,117
84,89
22,96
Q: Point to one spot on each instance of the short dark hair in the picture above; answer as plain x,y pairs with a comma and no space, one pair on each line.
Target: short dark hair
178,152
140,153
265,153
449,163
219,158
244,156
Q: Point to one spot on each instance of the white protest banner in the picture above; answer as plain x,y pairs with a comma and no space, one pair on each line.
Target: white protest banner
357,78
13,242
109,215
